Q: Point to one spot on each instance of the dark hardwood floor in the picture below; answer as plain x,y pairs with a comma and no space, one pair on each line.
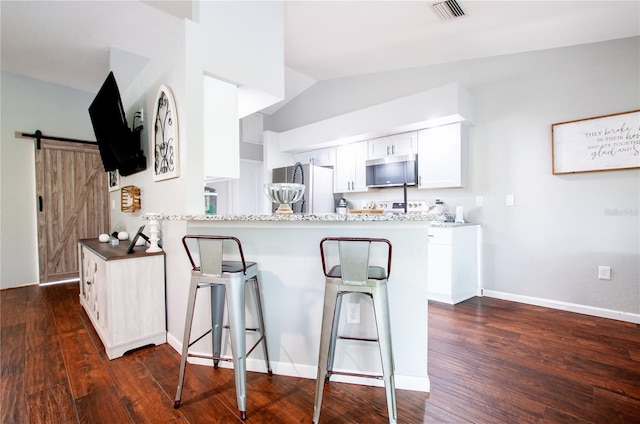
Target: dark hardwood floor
490,361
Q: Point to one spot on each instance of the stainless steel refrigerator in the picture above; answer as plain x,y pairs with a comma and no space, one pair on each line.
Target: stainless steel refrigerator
318,181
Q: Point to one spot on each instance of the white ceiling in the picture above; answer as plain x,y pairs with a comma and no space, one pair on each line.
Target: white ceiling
68,42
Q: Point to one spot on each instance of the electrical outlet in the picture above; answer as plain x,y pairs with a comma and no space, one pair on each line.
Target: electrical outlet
479,200
353,313
510,200
604,272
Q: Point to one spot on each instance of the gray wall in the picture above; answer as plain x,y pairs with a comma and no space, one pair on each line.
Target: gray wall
550,244
29,105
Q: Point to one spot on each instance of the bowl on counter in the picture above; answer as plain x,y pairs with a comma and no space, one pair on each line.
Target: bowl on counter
284,194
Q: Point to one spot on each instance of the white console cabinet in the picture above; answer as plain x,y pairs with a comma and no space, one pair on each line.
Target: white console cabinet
453,263
123,295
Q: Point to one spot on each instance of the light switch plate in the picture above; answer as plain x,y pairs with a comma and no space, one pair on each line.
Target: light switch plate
604,272
510,200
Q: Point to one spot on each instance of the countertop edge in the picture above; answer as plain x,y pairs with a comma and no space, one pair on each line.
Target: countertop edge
387,217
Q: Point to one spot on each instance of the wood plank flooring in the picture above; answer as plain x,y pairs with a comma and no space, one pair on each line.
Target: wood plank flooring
490,361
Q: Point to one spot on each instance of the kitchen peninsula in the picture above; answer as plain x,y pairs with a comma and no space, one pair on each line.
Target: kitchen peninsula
286,248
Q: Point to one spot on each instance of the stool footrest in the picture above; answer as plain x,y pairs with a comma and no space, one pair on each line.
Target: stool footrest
256,330
220,358
226,327
255,345
203,356
362,339
200,338
355,374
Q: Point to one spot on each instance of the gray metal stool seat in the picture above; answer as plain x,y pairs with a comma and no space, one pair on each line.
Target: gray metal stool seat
354,274
226,279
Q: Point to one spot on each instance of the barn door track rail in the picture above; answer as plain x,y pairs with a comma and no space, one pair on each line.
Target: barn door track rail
38,136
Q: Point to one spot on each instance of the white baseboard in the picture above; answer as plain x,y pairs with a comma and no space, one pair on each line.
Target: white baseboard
565,306
403,382
20,286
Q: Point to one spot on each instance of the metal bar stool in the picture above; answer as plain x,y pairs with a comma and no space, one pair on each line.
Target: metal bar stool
355,274
223,277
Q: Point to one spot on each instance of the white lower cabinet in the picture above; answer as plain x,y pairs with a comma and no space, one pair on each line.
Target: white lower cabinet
453,263
123,295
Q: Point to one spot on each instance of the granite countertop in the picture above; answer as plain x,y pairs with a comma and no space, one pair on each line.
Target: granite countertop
331,217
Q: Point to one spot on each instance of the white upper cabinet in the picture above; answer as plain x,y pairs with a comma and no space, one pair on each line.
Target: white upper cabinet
393,145
221,130
321,157
442,157
349,172
252,128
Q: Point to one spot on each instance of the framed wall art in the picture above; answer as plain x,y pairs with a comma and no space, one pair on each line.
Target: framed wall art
113,178
603,143
164,137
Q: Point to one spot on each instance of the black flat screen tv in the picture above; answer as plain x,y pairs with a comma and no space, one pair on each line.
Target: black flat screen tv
119,146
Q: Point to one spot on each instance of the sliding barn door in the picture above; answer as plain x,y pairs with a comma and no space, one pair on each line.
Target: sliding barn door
73,203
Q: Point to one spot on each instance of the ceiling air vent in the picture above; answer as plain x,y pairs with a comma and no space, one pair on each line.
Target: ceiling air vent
448,10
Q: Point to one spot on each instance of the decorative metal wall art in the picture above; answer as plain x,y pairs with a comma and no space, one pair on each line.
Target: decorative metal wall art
165,144
603,143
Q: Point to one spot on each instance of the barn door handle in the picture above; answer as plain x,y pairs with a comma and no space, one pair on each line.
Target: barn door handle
40,203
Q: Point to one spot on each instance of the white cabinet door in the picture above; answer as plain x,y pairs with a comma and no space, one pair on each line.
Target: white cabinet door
452,263
252,128
320,157
394,145
360,161
440,157
406,144
250,196
92,285
350,171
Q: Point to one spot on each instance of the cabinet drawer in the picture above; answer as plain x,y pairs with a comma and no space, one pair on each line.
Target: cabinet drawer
440,235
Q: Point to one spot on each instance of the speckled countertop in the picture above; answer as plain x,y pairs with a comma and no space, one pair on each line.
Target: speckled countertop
299,217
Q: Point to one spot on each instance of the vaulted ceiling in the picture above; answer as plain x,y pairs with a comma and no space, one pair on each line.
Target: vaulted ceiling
67,42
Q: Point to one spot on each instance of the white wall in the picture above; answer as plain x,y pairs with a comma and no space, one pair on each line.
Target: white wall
29,105
548,247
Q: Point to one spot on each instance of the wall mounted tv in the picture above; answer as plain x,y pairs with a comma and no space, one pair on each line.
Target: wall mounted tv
119,146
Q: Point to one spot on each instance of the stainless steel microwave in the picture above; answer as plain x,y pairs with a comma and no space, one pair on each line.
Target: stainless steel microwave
392,171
